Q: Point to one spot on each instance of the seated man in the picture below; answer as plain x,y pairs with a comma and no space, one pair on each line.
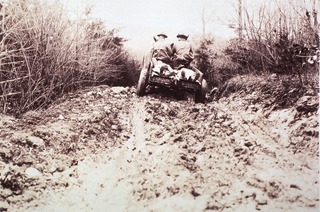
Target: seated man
183,56
161,54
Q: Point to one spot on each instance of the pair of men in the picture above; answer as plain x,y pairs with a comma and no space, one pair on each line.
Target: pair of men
178,55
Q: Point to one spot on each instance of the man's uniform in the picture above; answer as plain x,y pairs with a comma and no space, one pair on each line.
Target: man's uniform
162,51
183,56
161,56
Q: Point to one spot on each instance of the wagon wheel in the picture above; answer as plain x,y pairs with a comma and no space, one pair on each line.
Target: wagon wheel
144,75
143,82
200,95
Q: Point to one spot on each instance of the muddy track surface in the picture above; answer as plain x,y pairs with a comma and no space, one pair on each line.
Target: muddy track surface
107,150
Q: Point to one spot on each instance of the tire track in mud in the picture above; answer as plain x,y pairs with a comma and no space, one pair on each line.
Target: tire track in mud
120,181
105,181
181,156
114,180
142,173
116,192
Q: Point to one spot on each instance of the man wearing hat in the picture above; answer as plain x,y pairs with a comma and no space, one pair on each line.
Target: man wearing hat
162,50
162,53
183,55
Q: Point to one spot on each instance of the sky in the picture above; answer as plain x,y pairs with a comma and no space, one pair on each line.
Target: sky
139,20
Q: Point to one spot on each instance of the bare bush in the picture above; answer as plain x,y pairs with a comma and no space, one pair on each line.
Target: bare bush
280,37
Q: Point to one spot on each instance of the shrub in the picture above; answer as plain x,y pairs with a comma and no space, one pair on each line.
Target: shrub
213,62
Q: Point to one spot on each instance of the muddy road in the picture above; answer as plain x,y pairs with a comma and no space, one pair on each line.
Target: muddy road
105,149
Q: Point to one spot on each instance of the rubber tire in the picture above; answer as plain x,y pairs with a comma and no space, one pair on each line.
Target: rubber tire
200,95
142,83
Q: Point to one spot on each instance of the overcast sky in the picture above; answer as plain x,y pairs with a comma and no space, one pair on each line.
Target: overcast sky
139,20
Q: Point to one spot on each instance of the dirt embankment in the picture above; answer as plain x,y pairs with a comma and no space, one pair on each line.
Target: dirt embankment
106,149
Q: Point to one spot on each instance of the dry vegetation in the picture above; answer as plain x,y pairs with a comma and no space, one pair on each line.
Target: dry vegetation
277,37
44,54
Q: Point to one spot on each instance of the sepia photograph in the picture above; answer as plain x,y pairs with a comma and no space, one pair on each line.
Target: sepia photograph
159,106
